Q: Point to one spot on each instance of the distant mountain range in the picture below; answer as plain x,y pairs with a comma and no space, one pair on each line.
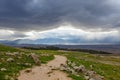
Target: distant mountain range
37,41
64,43
55,41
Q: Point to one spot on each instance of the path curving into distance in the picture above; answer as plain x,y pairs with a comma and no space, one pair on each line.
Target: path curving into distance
46,71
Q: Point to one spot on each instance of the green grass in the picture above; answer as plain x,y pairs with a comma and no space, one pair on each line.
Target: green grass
45,59
110,72
74,77
20,61
7,49
13,67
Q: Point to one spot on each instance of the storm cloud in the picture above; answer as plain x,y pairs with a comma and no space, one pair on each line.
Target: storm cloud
23,15
92,21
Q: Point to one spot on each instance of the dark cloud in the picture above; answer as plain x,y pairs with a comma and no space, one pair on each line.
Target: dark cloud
18,35
44,14
10,35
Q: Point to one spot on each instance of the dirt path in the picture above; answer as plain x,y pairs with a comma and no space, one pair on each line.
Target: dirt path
46,72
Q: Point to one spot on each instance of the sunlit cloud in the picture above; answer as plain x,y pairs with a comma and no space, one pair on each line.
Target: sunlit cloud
69,32
11,35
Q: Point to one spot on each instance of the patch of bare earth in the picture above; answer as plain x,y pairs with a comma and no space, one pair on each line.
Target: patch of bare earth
46,72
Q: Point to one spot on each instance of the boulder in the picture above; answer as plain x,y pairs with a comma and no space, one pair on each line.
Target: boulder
94,76
90,73
35,58
81,68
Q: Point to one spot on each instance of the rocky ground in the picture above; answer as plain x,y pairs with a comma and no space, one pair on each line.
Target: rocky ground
53,70
49,71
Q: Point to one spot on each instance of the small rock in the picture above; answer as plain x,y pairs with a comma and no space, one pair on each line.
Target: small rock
28,70
102,77
62,68
91,73
12,78
9,54
10,60
73,64
3,69
73,72
16,53
19,57
91,66
69,62
81,68
92,79
27,64
86,77
75,67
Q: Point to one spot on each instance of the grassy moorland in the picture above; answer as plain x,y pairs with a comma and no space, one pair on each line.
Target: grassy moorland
104,65
13,60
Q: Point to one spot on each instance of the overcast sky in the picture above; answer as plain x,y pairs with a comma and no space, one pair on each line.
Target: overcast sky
65,19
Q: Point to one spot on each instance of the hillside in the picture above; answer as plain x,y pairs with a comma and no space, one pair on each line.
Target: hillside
12,61
7,48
